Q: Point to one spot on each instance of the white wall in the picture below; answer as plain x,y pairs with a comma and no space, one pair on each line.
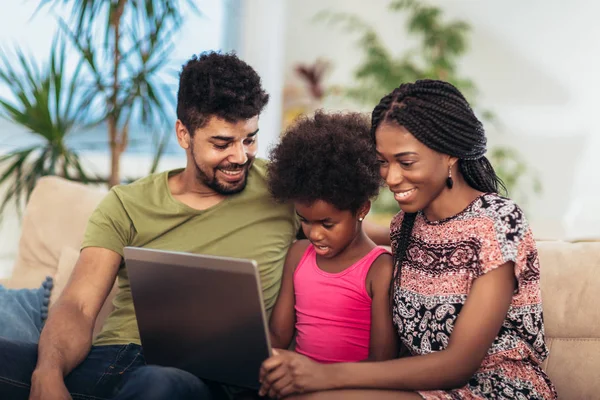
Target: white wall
536,64
261,44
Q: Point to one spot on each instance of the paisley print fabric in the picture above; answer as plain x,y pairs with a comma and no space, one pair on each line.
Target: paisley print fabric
443,260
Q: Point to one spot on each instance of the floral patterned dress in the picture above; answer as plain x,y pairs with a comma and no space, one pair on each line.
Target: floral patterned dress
443,260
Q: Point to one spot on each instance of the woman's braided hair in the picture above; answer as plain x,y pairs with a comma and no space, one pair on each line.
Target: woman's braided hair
440,117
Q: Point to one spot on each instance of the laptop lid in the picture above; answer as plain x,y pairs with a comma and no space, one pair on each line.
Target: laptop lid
203,314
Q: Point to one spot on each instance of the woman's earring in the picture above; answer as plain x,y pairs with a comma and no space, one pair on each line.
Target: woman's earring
360,219
449,181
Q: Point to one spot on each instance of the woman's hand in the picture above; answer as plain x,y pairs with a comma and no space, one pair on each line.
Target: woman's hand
287,372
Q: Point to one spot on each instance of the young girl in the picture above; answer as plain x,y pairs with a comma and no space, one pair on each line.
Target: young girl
466,283
335,286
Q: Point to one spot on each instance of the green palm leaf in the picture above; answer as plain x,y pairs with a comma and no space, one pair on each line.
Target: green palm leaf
125,64
49,106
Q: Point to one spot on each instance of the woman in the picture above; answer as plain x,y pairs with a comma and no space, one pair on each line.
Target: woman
466,294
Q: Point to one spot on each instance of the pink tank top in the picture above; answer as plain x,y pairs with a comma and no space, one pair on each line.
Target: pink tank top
333,311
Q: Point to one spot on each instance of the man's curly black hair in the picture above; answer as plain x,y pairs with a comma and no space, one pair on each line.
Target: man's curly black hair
218,84
328,157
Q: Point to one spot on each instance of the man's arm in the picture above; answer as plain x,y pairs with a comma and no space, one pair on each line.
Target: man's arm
67,335
378,233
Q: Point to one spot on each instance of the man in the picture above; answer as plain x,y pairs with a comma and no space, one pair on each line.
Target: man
219,204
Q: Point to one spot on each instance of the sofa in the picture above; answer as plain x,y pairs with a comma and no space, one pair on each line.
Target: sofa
57,212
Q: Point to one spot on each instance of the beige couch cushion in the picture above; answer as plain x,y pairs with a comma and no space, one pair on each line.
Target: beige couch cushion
51,235
55,217
570,290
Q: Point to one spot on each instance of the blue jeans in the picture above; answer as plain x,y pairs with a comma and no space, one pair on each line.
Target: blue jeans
109,372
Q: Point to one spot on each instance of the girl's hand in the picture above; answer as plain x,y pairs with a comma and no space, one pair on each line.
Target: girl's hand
287,372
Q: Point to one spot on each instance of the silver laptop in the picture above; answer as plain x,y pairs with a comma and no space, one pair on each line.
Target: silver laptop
203,314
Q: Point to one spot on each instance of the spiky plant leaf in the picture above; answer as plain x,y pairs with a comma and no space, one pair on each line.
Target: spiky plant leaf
50,104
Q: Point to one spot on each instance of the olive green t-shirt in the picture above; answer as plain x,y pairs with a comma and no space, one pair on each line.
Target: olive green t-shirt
248,225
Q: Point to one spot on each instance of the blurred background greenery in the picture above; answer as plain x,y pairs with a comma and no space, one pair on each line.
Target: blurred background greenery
441,43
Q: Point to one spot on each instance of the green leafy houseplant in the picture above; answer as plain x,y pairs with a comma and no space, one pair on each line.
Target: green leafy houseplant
441,45
122,47
47,101
125,44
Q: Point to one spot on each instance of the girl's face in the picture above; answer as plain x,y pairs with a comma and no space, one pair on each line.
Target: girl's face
415,173
329,229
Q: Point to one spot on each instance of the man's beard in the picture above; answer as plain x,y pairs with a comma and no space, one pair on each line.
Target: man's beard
219,187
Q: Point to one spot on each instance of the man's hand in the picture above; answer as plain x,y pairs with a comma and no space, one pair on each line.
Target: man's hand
287,372
48,385
67,335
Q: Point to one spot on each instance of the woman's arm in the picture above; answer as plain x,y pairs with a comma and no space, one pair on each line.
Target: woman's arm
283,318
384,340
377,233
476,328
